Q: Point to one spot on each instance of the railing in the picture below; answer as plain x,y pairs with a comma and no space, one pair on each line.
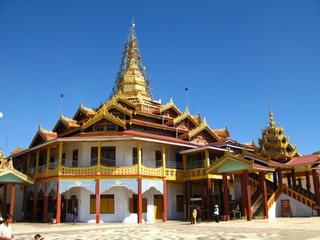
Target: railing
197,172
256,195
78,171
174,174
297,196
42,168
290,192
170,174
254,183
53,165
132,170
151,171
305,192
274,197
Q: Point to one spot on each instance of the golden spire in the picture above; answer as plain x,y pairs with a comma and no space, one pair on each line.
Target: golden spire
275,144
271,123
131,79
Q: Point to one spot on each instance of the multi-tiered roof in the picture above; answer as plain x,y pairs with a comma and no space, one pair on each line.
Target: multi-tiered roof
131,110
274,144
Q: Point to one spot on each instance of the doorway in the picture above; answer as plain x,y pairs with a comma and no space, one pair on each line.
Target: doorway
158,207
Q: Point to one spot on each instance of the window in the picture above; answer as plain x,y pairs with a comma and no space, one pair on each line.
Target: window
63,159
179,161
158,159
135,156
108,156
94,156
133,204
106,204
180,207
75,158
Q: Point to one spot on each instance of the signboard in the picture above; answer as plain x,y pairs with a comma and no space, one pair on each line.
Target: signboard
285,207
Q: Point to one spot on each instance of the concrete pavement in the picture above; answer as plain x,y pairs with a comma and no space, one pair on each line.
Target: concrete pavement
280,228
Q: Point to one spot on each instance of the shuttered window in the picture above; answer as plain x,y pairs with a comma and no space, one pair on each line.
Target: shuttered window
106,204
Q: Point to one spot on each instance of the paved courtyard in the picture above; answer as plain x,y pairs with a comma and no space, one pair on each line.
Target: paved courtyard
281,228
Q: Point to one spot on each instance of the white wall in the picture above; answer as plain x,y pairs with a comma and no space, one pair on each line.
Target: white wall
298,209
18,201
172,191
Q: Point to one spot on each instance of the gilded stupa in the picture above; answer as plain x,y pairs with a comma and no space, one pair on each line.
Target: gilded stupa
274,144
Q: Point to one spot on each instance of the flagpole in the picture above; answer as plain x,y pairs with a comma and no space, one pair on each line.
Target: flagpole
61,98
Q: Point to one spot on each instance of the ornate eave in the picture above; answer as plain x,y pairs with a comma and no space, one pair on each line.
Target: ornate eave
170,105
44,134
113,103
200,128
183,116
236,163
120,97
10,175
101,114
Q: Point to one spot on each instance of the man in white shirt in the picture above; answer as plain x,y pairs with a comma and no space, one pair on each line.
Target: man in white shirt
5,228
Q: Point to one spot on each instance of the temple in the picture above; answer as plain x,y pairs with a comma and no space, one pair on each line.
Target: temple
133,159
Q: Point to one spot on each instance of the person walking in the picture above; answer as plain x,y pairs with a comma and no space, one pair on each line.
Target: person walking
194,215
199,214
216,213
75,215
5,228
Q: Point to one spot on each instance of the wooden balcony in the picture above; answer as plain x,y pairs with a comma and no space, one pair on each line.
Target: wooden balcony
170,173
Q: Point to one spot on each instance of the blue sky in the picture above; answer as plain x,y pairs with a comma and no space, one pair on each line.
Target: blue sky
238,59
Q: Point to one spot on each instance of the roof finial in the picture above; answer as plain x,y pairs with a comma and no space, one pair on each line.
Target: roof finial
271,118
132,22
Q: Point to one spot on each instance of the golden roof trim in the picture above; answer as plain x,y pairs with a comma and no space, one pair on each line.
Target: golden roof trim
103,113
202,127
169,105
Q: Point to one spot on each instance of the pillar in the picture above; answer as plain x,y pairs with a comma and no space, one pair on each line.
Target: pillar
37,164
139,202
293,175
163,157
209,190
316,188
308,185
35,202
48,159
243,196
185,217
279,176
299,182
263,185
13,191
139,156
46,203
226,195
58,204
60,160
184,161
207,157
164,199
203,197
99,159
98,201
25,203
248,195
188,199
289,180
275,180
4,199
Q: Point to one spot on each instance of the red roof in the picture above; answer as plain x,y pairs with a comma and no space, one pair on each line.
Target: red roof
257,165
307,159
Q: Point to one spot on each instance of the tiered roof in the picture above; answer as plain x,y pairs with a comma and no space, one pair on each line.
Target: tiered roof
275,144
131,109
